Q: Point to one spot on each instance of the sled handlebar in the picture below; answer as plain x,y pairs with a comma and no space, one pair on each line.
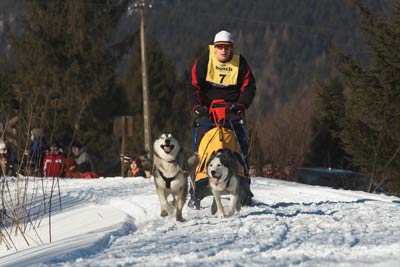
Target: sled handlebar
219,112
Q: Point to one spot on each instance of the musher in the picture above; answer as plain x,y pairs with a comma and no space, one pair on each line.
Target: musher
223,73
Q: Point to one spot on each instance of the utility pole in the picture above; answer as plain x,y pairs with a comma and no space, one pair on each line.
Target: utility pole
146,99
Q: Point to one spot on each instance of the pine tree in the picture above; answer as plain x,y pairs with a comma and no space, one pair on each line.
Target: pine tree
65,71
6,94
371,128
169,111
326,148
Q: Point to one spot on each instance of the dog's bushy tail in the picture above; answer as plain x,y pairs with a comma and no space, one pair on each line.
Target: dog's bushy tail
192,162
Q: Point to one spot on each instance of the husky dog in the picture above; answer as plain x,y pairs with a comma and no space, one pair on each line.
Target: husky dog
170,170
223,176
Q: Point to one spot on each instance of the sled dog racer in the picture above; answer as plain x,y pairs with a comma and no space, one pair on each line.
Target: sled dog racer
223,73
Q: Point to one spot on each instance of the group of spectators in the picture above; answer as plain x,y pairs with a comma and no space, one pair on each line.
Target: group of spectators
270,170
50,161
41,160
6,169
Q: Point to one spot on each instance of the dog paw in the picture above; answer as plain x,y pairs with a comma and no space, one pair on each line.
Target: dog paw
230,214
221,215
180,220
164,213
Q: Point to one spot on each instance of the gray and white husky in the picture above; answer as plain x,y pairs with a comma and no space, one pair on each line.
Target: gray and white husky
171,170
223,176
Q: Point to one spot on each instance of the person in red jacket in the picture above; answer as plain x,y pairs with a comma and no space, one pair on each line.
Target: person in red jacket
53,162
222,73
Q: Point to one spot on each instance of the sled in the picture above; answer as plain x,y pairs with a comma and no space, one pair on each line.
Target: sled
219,132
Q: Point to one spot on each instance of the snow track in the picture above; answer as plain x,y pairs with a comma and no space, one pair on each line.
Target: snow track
115,222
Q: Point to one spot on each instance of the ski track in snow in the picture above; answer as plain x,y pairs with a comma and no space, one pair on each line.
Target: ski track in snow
289,225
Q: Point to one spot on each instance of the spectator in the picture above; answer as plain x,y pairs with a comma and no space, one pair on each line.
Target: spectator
269,170
46,150
11,157
136,168
126,160
5,148
288,172
146,163
53,162
27,165
85,163
253,171
36,149
71,168
7,169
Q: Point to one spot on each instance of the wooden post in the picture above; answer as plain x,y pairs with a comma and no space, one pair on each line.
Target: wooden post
146,111
123,127
123,145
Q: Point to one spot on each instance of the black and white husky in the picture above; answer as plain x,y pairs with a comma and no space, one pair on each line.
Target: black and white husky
170,169
223,176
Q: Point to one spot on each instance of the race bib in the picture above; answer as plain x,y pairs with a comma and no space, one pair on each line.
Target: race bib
222,74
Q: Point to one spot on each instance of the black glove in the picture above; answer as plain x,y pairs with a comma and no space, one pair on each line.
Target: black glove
201,111
236,108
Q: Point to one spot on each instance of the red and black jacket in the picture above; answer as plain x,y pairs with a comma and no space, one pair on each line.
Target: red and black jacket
53,165
204,92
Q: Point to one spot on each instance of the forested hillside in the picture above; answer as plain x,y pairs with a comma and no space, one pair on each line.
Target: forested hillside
285,41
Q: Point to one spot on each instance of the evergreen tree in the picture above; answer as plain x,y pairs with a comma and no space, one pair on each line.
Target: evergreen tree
6,92
326,149
65,71
168,109
371,128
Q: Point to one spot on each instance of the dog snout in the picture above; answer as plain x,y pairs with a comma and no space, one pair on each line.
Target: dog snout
213,173
167,142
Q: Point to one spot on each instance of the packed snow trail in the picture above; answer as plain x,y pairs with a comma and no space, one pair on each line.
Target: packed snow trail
290,224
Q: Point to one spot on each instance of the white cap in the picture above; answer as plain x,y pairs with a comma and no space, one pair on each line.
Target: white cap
2,145
37,132
223,37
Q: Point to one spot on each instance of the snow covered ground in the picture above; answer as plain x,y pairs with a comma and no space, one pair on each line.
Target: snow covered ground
115,222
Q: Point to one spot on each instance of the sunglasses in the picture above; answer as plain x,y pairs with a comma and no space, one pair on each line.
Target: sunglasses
226,47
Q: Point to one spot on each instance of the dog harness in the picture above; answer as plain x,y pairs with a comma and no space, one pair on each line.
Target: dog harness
167,180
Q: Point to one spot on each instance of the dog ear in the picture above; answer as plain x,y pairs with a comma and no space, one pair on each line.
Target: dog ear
219,151
228,159
224,157
228,152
